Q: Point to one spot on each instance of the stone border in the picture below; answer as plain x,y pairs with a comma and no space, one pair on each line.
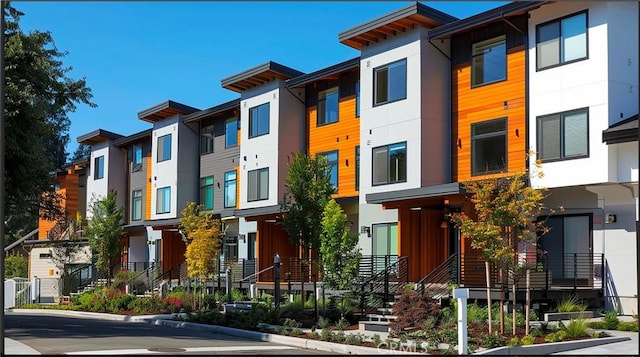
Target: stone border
548,348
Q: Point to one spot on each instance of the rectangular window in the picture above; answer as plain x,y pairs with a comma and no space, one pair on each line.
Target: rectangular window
230,189
389,164
561,41
390,82
357,167
327,106
259,120
164,148
258,184
332,160
231,132
163,200
489,146
137,158
358,99
206,139
489,61
563,135
385,245
136,205
98,169
230,248
206,192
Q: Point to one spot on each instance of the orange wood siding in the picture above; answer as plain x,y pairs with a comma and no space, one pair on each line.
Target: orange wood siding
173,250
343,136
147,204
422,240
271,239
492,101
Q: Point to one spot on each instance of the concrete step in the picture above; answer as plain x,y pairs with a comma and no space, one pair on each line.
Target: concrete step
381,317
385,310
377,326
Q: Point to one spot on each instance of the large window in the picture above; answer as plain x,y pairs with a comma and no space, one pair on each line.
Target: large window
137,158
390,164
328,106
259,120
390,82
231,132
258,184
563,135
163,200
489,146
206,139
164,148
489,61
332,160
385,245
357,167
206,192
358,99
230,249
567,246
561,41
230,189
136,205
98,167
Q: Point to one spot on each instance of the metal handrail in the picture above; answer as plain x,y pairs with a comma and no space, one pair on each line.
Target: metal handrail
256,274
440,275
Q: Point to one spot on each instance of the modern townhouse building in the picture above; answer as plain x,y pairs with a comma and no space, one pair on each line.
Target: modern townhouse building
271,116
431,102
583,81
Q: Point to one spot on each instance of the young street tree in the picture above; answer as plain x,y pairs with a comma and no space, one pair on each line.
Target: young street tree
308,189
104,230
506,214
338,249
203,234
38,96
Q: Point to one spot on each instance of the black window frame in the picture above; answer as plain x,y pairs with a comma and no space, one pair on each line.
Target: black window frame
251,125
380,69
135,165
388,164
494,40
559,21
166,189
136,199
332,163
204,189
207,139
160,151
98,170
357,89
561,116
227,183
227,133
474,138
259,196
321,107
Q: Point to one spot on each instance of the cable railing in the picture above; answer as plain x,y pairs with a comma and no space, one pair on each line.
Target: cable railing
436,283
385,283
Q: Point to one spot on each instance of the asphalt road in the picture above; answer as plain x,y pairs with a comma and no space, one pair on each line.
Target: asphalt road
78,335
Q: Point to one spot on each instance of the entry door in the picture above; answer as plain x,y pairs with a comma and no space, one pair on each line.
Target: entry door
385,243
569,238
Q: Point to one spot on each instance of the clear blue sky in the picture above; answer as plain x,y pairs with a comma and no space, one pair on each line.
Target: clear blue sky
135,55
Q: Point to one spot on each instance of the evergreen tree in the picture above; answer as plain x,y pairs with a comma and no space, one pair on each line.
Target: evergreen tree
338,249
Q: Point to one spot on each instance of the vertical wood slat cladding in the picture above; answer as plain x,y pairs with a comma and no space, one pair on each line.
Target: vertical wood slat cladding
473,105
422,240
147,200
173,250
272,239
343,136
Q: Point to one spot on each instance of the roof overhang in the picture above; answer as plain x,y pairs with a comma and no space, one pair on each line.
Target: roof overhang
143,135
165,110
329,72
97,136
231,107
484,18
391,24
258,76
415,193
252,214
622,132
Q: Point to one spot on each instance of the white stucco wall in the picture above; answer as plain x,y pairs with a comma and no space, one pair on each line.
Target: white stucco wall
165,173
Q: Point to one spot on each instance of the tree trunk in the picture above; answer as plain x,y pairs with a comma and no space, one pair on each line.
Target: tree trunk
526,307
501,301
488,275
513,309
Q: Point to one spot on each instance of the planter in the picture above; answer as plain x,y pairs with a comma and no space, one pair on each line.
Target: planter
556,316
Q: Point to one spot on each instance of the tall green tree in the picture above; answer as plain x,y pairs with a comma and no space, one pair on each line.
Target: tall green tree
104,230
38,95
506,212
338,249
308,188
83,151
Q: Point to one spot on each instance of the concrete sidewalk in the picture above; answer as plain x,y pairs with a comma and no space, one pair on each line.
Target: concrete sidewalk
13,347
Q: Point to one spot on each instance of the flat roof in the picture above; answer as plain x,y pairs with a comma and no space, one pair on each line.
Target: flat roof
408,17
512,8
97,136
165,110
622,132
258,211
258,76
213,111
324,73
133,138
422,192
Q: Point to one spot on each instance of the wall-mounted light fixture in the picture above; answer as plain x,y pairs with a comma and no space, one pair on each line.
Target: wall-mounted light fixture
365,229
611,218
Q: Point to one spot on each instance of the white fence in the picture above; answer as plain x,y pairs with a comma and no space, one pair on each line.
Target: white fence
18,291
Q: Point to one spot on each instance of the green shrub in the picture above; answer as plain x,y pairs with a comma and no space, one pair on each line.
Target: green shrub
628,326
513,341
527,340
562,334
477,314
611,320
121,303
147,305
376,339
493,340
576,328
571,303
552,337
535,332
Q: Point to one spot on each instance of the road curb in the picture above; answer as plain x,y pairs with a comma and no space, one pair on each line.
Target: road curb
548,348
